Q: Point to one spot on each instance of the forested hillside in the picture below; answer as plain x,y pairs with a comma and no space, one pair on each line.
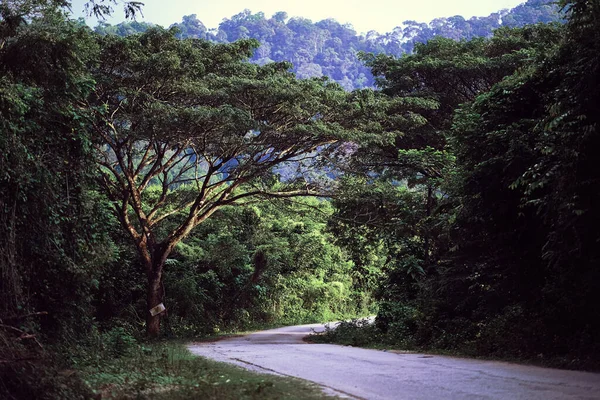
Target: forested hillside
331,49
162,186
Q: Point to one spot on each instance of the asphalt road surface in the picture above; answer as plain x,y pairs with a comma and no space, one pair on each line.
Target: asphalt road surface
372,374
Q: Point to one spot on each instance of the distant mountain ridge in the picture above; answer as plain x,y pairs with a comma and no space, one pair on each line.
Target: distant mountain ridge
329,48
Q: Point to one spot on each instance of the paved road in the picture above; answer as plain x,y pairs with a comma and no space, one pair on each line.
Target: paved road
373,374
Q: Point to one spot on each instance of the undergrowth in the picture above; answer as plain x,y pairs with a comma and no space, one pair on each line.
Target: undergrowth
168,370
363,333
357,332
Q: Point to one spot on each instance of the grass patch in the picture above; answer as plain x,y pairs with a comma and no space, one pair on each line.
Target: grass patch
168,370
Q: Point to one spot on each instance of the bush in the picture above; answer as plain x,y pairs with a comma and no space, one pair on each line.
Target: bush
118,342
357,332
29,372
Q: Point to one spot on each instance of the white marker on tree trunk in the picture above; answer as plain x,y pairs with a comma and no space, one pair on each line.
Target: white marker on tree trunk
157,310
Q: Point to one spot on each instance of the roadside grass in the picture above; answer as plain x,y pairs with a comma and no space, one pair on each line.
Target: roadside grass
167,370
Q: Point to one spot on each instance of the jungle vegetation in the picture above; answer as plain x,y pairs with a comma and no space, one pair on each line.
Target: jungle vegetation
455,199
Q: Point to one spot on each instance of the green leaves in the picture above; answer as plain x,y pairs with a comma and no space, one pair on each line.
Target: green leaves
54,238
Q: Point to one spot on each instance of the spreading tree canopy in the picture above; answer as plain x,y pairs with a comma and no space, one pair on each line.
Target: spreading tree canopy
185,127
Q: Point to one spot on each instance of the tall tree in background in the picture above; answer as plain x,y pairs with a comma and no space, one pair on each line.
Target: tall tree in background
185,127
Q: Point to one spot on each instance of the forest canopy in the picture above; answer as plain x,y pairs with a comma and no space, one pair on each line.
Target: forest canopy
329,48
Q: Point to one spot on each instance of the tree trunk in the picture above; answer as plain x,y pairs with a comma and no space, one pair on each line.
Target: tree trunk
154,298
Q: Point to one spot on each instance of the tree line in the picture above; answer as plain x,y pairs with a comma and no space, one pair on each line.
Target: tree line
329,48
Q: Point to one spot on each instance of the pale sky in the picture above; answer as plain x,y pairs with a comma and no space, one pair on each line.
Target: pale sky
382,15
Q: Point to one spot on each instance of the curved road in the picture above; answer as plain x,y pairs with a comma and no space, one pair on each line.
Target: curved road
372,374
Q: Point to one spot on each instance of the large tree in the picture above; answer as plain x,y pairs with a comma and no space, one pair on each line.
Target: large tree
185,127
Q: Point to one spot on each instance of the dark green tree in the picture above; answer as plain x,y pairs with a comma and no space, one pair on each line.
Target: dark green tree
44,159
408,199
53,241
527,225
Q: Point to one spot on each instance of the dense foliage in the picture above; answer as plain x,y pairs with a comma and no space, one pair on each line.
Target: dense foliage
497,222
457,201
242,269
